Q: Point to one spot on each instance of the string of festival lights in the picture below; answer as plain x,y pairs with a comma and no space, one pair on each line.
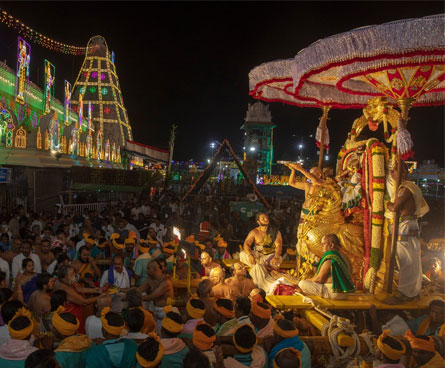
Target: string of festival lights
38,38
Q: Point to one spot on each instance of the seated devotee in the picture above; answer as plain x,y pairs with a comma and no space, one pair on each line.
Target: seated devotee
207,263
389,350
225,315
140,265
239,280
287,358
260,316
249,353
175,349
204,339
196,359
194,313
73,349
242,311
15,350
134,300
286,336
135,322
424,351
204,290
119,277
333,277
114,352
159,292
220,289
431,324
9,309
93,324
150,353
25,253
221,250
42,358
39,302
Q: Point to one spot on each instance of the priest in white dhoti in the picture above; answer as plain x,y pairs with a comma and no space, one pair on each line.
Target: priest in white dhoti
412,206
262,251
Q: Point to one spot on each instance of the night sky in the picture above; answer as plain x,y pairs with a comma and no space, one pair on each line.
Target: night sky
188,63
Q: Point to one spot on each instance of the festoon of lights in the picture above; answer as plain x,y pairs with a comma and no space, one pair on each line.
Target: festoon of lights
38,38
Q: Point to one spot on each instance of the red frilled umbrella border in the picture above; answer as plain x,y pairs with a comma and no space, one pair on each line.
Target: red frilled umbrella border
255,93
339,86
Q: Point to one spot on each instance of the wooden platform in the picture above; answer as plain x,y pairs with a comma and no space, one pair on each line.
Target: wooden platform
285,265
356,301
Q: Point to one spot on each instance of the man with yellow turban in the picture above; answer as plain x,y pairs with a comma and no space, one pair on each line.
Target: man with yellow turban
249,353
285,335
175,349
389,350
134,300
424,351
194,312
15,350
260,316
150,353
204,339
73,349
114,352
225,315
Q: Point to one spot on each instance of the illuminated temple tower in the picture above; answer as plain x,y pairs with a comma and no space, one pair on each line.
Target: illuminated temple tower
258,138
98,83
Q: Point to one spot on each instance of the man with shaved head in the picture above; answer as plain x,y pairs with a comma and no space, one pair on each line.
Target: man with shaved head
220,289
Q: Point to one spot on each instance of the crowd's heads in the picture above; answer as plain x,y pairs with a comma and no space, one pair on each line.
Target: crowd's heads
244,338
238,269
422,346
9,309
330,242
391,348
172,325
288,358
64,323
436,311
154,269
84,253
44,281
134,297
21,325
135,319
118,262
260,313
42,358
3,281
102,302
196,359
242,306
5,295
262,219
150,352
284,329
112,323
195,308
217,275
224,309
28,265
58,298
204,337
204,288
26,248
66,273
256,296
206,259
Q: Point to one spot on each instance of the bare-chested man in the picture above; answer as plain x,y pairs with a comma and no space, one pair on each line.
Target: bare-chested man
45,255
219,288
207,263
240,281
159,289
412,206
39,301
267,243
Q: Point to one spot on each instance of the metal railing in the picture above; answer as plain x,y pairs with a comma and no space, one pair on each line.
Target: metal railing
80,208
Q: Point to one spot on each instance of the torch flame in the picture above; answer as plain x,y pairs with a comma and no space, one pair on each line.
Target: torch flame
177,233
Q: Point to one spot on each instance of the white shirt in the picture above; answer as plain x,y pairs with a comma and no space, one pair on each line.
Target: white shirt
397,326
4,334
121,280
80,244
131,227
159,230
135,336
145,210
17,263
4,266
93,327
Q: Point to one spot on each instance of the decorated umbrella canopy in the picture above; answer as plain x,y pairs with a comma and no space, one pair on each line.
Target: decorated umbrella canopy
272,82
402,60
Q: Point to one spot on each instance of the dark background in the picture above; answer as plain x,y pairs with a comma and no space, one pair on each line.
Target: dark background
187,63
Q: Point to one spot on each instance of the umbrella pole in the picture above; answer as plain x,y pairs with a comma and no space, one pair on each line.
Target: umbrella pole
324,118
404,104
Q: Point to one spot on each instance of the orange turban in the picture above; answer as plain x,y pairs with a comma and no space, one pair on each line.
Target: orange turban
195,312
297,352
201,340
260,311
143,246
420,344
144,363
172,326
64,327
101,242
387,350
284,333
21,334
112,330
243,350
221,243
228,313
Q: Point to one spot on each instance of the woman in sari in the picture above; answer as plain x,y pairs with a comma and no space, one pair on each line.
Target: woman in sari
25,283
